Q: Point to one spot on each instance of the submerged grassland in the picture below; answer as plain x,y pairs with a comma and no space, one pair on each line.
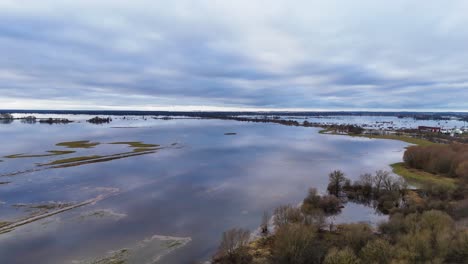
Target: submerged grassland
137,148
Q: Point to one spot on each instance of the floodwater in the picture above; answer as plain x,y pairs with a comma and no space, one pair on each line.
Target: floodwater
195,184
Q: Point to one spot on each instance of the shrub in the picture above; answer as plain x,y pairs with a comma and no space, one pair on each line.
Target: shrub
232,249
297,244
355,235
344,256
329,204
287,214
377,251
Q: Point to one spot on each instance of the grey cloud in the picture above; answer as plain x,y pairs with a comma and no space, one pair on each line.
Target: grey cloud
281,54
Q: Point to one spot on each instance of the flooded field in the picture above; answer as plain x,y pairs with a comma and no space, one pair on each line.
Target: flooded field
161,191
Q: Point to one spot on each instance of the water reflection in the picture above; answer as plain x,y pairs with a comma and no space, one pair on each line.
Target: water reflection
212,183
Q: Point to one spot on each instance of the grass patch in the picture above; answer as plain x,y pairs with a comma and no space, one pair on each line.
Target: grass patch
135,144
407,139
98,159
4,223
411,140
75,159
172,244
327,131
144,149
48,154
78,144
419,177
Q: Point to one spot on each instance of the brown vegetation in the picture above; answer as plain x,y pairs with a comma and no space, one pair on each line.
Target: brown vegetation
447,160
420,228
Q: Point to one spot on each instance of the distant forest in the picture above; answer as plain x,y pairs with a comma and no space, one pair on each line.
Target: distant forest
222,114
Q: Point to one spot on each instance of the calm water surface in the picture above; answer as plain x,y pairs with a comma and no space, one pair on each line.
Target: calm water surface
199,184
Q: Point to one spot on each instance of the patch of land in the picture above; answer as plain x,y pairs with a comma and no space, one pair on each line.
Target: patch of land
136,144
148,251
419,177
74,159
407,139
102,213
77,161
49,154
45,206
50,209
6,182
138,148
78,144
230,134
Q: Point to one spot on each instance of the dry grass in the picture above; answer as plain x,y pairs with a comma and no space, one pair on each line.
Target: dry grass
48,154
419,177
78,144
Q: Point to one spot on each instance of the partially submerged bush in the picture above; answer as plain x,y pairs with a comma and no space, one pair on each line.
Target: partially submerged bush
337,180
329,204
6,116
99,120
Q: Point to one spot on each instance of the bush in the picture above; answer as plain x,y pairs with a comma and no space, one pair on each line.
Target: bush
297,244
377,251
287,214
232,249
344,256
329,204
355,235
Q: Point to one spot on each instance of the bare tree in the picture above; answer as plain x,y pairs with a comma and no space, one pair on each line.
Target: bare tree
286,214
379,178
233,240
336,182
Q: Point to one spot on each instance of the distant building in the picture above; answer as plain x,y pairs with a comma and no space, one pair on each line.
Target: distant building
429,129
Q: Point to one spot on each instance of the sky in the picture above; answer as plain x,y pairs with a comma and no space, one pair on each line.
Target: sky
234,55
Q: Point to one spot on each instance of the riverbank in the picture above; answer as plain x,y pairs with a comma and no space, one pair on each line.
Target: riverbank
407,139
418,177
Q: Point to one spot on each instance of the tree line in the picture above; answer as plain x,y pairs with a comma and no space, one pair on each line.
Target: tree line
448,160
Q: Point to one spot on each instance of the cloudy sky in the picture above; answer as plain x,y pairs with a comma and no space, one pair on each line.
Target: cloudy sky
238,54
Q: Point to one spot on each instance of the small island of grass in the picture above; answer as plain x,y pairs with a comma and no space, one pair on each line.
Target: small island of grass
48,154
135,144
78,144
74,159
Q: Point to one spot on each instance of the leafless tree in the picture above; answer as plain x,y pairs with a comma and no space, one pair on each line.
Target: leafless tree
232,240
336,182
